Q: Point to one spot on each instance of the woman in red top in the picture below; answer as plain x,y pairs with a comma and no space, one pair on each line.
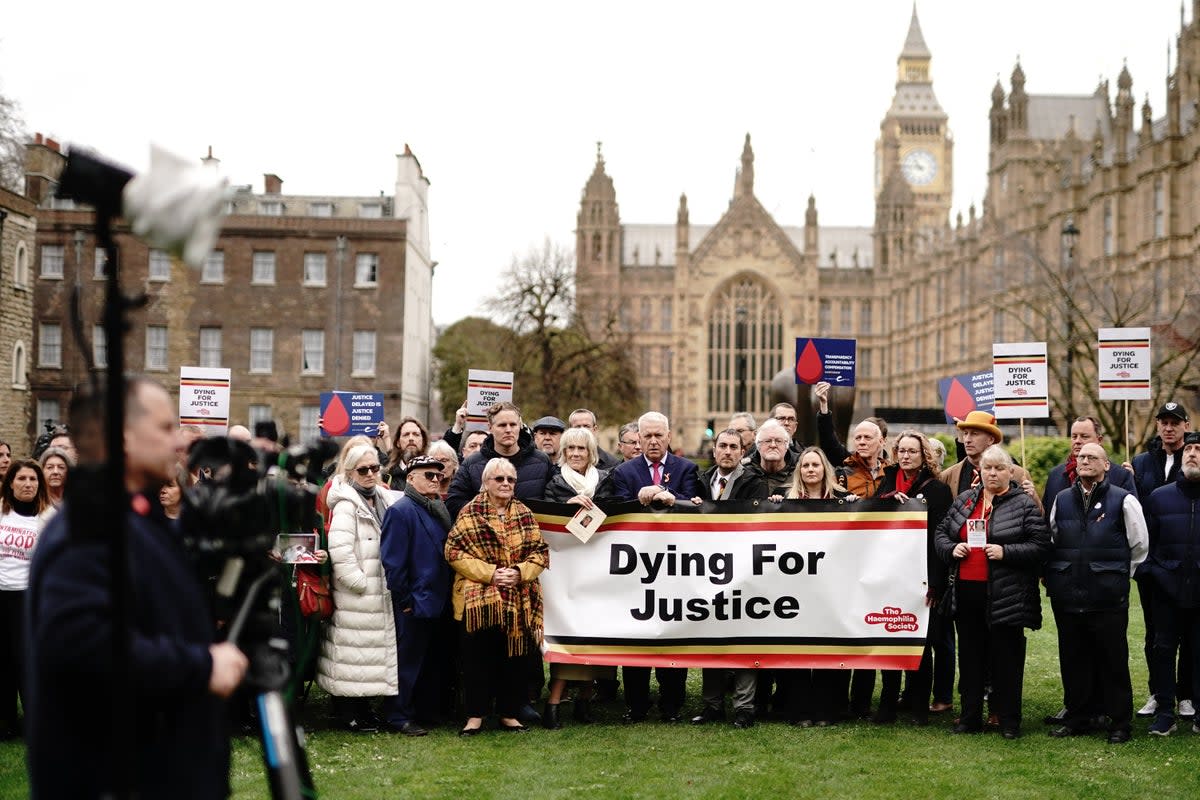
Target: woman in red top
995,540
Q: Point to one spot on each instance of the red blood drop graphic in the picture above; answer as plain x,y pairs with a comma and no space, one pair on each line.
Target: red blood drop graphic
808,365
336,420
959,401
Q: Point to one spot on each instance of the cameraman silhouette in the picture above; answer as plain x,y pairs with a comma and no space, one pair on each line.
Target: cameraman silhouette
179,675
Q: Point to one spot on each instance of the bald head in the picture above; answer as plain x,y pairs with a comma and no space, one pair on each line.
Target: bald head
868,441
1091,464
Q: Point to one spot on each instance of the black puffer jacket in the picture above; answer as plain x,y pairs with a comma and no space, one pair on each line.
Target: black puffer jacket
533,472
1017,525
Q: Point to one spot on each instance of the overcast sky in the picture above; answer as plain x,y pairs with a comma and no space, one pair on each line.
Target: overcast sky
503,103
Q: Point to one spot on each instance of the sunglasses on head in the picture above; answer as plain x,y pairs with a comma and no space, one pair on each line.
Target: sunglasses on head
504,479
365,470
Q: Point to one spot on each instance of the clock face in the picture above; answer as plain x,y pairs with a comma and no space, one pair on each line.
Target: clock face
919,167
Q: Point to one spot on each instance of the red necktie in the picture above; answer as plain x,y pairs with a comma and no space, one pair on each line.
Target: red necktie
721,490
656,472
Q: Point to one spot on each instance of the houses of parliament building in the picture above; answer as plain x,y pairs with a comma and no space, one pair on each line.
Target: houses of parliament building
714,309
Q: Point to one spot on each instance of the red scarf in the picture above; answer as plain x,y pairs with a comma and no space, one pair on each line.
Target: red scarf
1069,469
903,482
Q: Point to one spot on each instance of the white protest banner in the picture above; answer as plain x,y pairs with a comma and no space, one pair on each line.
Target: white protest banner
1020,381
204,399
812,584
1124,363
485,387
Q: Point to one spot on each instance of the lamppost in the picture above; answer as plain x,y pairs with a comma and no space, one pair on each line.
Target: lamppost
1070,239
741,358
340,250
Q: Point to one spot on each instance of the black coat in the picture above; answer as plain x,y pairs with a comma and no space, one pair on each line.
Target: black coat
1149,467
1056,481
533,472
1088,568
1174,560
1018,525
181,745
559,491
937,498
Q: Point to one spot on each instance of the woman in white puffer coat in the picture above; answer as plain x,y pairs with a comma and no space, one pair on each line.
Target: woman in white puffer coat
358,653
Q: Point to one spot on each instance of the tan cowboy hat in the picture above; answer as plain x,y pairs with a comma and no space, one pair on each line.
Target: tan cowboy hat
981,421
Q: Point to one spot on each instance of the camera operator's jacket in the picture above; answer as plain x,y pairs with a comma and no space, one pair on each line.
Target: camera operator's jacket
358,654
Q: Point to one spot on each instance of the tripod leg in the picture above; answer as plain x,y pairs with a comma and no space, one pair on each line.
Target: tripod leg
283,751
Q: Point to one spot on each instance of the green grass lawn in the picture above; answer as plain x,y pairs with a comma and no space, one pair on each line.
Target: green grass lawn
772,759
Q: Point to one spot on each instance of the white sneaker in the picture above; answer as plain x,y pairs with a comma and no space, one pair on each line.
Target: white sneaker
1186,709
1149,709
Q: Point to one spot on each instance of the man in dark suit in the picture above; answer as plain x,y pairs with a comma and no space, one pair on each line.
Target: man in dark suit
656,476
728,479
412,549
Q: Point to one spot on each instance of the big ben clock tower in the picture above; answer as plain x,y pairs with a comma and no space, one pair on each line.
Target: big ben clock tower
914,137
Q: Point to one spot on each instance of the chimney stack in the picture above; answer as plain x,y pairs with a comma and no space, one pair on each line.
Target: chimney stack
272,183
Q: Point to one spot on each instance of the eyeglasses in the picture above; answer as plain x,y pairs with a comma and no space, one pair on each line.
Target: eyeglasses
1089,457
907,452
436,477
775,442
785,419
364,470
505,479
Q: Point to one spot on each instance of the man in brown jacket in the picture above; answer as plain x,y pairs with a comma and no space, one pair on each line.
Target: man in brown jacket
860,471
978,432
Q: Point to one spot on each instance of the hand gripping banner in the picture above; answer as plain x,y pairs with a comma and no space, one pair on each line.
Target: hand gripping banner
742,584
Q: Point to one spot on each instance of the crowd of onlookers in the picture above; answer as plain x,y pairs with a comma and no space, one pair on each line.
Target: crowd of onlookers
433,562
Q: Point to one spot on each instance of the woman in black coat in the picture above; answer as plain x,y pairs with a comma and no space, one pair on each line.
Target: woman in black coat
915,475
995,540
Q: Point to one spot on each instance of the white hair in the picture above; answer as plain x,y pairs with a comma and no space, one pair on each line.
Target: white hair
654,416
995,454
771,425
353,456
440,448
493,466
872,425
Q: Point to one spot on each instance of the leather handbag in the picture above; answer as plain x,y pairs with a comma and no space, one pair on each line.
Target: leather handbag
314,594
948,605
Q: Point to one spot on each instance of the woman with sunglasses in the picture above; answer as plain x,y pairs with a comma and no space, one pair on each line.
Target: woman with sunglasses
358,655
497,551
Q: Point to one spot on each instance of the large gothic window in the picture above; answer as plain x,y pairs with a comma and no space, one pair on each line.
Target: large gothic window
745,347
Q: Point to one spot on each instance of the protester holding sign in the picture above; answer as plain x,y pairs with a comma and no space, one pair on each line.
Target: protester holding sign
497,551
995,541
915,476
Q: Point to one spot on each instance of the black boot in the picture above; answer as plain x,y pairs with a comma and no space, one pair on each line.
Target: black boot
550,718
583,711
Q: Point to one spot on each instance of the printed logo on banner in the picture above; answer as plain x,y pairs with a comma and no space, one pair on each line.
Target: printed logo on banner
892,619
830,360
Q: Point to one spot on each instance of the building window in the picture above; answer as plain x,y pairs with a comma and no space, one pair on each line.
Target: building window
312,355
1160,205
271,208
825,317
366,269
665,322
847,317
50,346
99,347
100,270
160,266
940,292
256,413
647,314
263,270
156,347
320,209
210,347
937,348
864,317
308,422
864,365
213,270
998,269
262,349
370,211
918,351
20,371
364,353
21,266
48,411
314,269
1108,228
1159,275
745,347
52,261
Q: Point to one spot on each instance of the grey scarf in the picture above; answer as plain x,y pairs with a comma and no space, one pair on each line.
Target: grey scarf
436,508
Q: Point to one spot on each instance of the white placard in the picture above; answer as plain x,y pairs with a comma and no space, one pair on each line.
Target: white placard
485,387
204,399
1020,381
976,533
1123,367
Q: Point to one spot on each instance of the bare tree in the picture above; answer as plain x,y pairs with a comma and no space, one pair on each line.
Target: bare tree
566,363
12,145
1066,305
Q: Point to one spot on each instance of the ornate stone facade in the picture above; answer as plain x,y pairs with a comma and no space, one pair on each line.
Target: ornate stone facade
713,311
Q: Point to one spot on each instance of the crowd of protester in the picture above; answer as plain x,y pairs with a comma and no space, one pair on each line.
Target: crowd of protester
433,560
